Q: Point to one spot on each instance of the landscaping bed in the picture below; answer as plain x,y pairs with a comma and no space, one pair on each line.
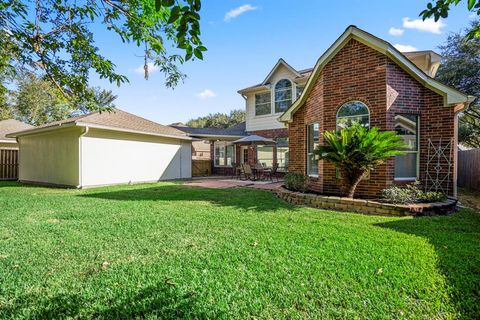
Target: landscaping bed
366,206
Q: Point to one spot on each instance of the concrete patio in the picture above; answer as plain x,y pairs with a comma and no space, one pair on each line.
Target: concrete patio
225,182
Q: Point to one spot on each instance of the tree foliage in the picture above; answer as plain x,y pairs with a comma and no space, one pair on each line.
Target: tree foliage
218,120
356,150
37,101
439,9
461,69
55,38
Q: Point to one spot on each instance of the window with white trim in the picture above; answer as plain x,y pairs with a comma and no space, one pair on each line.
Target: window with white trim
283,95
224,154
298,91
353,112
263,103
313,135
406,165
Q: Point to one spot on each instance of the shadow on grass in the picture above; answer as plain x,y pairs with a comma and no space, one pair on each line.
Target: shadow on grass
161,301
456,239
241,198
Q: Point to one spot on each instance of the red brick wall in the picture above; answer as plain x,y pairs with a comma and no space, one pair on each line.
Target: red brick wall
358,72
407,96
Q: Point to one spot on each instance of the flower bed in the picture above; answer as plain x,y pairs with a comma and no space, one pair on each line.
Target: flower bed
366,206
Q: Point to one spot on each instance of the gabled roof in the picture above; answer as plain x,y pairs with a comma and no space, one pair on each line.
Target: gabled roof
279,63
452,95
298,73
235,131
116,120
9,126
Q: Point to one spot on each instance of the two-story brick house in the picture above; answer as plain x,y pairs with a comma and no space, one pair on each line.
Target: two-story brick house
359,78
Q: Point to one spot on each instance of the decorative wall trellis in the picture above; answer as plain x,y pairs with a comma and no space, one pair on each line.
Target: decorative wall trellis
439,165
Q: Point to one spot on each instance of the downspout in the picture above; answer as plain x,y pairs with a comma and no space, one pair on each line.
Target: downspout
465,105
80,177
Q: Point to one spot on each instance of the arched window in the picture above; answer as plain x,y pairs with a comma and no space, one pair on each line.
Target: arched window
353,112
283,95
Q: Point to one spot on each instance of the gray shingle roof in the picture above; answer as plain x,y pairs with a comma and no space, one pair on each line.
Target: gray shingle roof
236,130
12,125
118,119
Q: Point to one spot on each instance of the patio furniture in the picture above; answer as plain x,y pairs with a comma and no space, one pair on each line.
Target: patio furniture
259,171
236,170
248,172
270,173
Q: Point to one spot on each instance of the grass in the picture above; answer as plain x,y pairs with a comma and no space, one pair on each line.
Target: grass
171,251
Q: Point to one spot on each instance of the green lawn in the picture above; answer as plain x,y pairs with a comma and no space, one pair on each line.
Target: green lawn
169,251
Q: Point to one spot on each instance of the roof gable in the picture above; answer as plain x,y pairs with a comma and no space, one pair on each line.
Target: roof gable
280,63
452,96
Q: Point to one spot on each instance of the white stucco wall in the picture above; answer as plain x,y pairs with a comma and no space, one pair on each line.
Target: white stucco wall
50,158
109,157
269,121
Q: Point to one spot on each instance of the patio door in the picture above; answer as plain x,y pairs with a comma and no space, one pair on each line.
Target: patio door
244,154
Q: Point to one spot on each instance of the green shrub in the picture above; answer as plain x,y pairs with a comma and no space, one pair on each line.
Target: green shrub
296,182
411,194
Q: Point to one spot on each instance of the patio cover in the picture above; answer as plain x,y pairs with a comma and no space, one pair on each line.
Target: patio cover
254,139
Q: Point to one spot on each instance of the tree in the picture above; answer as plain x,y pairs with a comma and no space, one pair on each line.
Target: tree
37,101
460,68
218,120
440,10
55,38
356,150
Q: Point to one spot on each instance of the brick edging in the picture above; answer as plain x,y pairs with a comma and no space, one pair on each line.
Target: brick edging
365,206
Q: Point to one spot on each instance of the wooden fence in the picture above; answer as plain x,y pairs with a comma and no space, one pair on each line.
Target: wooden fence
201,168
469,169
8,164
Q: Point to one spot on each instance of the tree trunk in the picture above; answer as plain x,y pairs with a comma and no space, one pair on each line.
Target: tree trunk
350,183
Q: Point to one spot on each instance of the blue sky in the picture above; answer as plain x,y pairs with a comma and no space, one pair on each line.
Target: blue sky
246,38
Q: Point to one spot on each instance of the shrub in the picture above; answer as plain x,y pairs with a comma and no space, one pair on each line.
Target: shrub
296,181
356,150
411,194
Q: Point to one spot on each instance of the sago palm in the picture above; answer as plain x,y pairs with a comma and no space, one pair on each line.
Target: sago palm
356,150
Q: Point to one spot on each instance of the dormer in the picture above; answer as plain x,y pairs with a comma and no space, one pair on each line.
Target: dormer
266,101
428,61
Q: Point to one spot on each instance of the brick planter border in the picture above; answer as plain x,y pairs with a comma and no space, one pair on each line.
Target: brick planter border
365,206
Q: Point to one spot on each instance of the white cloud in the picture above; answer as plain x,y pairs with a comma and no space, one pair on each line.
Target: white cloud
395,31
428,25
238,11
206,94
151,68
472,16
405,47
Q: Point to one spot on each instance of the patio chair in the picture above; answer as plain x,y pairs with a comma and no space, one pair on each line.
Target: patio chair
270,173
247,171
259,171
236,170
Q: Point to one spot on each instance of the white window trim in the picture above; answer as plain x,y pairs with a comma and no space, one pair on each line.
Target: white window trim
313,175
336,115
255,104
275,100
224,144
417,152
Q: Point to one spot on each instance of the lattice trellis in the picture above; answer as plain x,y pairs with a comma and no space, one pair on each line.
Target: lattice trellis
439,165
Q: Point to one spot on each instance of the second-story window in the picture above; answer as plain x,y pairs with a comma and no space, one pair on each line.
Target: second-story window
263,103
283,95
298,91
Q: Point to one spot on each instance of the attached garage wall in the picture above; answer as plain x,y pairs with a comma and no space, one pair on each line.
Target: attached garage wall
50,158
110,157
